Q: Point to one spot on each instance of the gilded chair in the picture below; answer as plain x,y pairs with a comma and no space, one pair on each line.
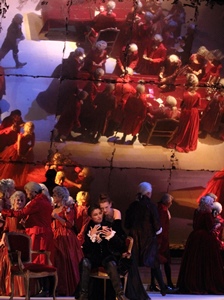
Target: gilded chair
20,256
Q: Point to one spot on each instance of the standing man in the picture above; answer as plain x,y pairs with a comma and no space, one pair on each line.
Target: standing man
13,37
142,220
37,215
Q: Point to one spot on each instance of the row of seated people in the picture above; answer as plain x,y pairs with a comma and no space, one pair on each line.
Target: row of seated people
121,107
141,23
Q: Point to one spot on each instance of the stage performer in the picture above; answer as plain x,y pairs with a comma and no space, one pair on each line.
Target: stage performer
216,186
123,89
103,247
92,87
69,118
81,214
142,221
37,225
18,201
168,73
104,103
197,274
135,289
7,188
96,58
213,114
128,59
19,156
12,39
167,111
153,57
134,113
67,252
163,240
197,62
186,137
106,18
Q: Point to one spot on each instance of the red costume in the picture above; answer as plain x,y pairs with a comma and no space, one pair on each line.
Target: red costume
92,88
81,221
157,54
213,114
216,186
201,270
186,137
123,90
105,103
104,20
163,238
11,224
134,114
196,65
18,171
37,215
95,59
127,59
67,253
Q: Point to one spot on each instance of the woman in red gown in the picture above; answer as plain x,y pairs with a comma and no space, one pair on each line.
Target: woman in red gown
216,186
18,157
18,201
186,137
67,252
201,270
81,215
214,113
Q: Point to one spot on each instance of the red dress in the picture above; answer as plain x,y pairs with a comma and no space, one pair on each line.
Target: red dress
216,186
186,137
163,237
67,253
81,221
157,54
11,224
201,270
213,114
19,165
123,90
37,224
134,114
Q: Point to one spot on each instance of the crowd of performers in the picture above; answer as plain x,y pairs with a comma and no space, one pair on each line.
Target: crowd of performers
150,45
85,234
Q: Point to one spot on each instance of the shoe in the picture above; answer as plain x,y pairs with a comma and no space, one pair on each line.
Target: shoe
20,65
42,293
121,297
154,288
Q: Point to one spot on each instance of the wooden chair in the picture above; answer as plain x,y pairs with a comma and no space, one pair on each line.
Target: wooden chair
162,128
108,35
20,255
101,273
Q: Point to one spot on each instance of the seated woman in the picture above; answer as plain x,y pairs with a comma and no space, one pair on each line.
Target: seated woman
103,246
167,111
169,73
